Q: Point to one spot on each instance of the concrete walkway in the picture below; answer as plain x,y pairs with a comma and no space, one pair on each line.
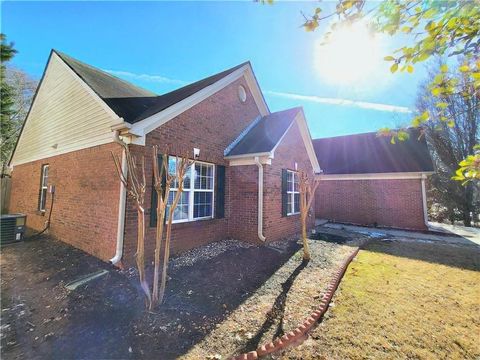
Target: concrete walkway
452,234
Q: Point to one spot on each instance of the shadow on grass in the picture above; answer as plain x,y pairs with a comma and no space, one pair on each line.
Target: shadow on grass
277,313
463,257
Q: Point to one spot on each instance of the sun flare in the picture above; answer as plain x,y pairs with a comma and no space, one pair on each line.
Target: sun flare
350,56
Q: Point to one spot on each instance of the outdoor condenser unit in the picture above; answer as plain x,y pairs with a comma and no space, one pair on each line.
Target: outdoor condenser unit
12,228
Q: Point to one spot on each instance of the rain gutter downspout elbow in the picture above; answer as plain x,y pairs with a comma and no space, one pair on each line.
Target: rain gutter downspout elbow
260,199
122,203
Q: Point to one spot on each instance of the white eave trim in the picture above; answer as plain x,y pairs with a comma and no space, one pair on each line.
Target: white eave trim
307,140
266,157
375,176
249,159
143,127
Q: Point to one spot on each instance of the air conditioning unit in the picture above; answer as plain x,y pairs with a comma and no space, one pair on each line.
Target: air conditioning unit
12,228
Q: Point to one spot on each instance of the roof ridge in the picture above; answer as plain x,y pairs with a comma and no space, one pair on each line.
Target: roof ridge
229,70
359,134
129,101
65,57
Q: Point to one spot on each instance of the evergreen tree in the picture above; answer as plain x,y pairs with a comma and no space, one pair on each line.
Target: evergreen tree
7,128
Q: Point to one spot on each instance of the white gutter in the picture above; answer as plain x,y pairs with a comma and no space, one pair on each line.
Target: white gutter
121,204
260,198
424,201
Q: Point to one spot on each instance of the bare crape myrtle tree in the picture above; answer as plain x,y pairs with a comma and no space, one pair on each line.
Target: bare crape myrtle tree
307,187
134,182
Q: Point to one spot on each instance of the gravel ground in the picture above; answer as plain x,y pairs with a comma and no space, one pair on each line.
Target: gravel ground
207,252
281,303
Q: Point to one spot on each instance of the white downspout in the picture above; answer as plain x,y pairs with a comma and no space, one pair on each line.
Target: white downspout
121,205
260,199
424,201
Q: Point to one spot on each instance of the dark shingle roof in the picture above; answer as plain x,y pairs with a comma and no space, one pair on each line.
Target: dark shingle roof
266,133
368,153
131,102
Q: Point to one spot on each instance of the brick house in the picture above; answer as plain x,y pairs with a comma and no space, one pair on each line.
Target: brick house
368,181
242,186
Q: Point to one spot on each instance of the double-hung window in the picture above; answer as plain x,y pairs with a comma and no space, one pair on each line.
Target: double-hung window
196,201
293,193
43,188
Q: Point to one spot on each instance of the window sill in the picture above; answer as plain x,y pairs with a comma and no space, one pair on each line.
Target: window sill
193,223
40,212
293,214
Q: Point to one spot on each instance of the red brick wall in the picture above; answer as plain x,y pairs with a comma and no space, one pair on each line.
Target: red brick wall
85,211
210,126
391,203
243,197
291,150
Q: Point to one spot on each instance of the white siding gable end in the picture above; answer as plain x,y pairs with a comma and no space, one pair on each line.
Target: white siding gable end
66,116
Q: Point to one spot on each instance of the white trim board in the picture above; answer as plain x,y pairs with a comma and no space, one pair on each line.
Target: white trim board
248,159
376,176
143,127
307,140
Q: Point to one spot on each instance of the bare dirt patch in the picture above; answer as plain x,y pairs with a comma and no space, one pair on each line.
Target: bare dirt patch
105,318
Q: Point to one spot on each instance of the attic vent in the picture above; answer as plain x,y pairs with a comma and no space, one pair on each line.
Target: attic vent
242,94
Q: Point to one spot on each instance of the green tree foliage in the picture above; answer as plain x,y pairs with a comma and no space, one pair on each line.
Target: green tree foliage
18,90
449,144
444,28
7,52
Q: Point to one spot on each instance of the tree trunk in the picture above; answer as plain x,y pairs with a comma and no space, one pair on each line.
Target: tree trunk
306,248
140,254
166,256
158,246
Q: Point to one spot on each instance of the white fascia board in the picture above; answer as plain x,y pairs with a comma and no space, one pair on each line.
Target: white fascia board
251,155
256,91
264,160
374,176
307,140
143,127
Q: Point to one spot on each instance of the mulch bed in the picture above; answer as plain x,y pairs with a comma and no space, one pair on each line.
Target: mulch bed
221,299
279,305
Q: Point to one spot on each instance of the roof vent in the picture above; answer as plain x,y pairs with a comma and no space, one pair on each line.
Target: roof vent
242,94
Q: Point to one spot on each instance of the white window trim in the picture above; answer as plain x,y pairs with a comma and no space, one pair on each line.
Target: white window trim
292,193
43,186
191,195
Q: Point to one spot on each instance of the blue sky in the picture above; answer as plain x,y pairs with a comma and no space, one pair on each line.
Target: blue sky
163,45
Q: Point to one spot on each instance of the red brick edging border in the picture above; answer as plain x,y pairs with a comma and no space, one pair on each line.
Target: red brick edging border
306,326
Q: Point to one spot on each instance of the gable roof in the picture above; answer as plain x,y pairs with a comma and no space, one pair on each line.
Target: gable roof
131,102
369,154
265,134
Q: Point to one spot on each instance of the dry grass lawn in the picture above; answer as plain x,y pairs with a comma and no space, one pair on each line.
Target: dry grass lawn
402,300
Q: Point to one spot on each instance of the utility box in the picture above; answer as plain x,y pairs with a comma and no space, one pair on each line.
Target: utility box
12,228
